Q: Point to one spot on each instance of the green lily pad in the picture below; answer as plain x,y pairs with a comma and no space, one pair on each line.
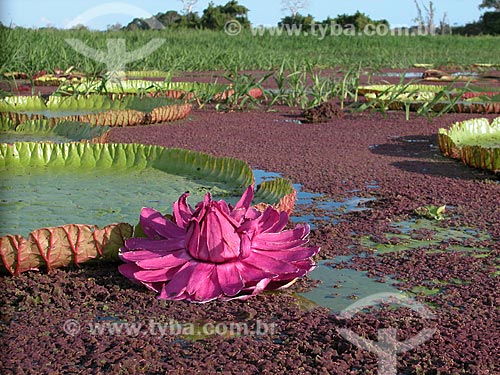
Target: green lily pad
146,73
437,98
51,131
94,109
138,86
400,89
55,184
476,142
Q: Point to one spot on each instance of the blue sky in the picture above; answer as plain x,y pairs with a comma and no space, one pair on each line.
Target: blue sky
36,13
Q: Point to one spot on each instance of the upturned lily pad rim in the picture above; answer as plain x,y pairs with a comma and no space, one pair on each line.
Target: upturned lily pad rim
462,141
124,155
461,132
414,104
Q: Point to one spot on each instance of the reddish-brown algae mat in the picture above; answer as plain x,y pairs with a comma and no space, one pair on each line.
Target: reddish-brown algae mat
48,323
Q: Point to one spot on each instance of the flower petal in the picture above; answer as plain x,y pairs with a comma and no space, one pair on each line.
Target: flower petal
229,277
239,211
269,264
203,286
299,232
155,224
135,255
293,255
178,284
251,291
252,273
168,261
128,270
182,211
155,275
155,245
282,240
272,221
303,267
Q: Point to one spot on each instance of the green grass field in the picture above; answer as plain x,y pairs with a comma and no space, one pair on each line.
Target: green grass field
190,50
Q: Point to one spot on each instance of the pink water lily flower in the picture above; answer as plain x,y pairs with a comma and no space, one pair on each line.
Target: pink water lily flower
217,251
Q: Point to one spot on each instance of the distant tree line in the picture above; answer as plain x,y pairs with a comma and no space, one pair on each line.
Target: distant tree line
357,21
489,23
213,18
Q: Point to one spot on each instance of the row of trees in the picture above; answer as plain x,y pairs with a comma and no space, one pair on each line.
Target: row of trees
490,4
489,23
215,17
357,20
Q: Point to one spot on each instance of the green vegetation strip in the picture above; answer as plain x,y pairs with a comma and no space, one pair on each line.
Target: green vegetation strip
203,50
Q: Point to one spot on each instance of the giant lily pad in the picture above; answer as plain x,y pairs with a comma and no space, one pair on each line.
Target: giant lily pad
56,80
479,102
146,74
61,246
50,130
91,185
476,142
145,87
94,109
435,97
409,88
174,90
401,97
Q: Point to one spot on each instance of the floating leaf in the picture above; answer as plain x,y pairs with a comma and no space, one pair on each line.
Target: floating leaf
476,142
278,192
437,98
377,89
94,109
431,212
51,129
